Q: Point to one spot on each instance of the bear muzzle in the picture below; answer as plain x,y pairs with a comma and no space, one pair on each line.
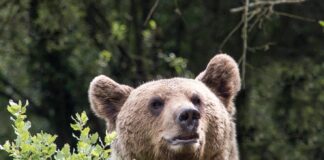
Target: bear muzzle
188,119
185,139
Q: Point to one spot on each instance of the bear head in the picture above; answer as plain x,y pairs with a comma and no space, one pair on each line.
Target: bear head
175,118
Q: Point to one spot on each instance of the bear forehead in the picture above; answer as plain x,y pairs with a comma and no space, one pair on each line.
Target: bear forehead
171,86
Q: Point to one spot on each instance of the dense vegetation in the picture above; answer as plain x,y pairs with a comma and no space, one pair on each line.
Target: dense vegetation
42,145
50,50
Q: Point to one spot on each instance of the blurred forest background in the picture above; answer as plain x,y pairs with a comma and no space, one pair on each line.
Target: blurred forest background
50,50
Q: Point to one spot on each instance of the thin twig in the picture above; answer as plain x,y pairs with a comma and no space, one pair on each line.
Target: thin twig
295,16
177,10
230,35
258,19
261,47
245,38
151,11
234,30
262,3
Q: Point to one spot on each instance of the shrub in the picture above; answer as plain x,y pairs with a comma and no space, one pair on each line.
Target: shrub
41,145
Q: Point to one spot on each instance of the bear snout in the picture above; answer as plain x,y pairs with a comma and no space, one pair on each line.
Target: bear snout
188,119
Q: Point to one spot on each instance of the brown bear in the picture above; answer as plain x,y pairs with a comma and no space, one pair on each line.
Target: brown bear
172,119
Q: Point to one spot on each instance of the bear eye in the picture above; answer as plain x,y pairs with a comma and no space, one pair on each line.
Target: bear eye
195,99
156,104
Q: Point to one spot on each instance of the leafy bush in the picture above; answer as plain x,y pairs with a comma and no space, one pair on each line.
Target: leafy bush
42,146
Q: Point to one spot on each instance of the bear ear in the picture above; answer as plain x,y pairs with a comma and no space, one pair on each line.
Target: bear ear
223,78
106,99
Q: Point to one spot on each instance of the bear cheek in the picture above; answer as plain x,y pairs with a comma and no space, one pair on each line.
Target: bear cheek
164,125
137,128
217,126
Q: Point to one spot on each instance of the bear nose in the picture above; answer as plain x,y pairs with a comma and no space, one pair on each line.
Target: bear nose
189,119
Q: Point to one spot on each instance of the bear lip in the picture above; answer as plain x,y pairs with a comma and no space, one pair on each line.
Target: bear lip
184,139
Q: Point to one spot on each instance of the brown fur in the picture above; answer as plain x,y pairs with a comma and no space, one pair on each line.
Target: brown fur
142,135
106,98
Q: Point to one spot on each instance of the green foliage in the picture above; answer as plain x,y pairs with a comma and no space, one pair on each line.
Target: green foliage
179,64
321,23
118,30
104,58
152,24
42,146
275,125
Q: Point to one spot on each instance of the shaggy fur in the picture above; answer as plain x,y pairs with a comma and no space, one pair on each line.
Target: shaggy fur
143,135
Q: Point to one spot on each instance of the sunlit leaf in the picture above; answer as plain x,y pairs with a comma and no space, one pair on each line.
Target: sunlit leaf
321,23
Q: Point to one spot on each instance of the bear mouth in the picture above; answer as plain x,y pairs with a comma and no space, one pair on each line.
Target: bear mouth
184,139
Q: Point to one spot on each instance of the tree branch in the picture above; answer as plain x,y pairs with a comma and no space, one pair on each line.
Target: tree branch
295,16
151,11
230,35
264,3
245,38
4,94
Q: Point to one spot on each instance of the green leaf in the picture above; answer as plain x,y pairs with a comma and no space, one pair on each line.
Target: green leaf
152,24
78,117
321,23
105,55
66,150
14,109
96,151
6,146
51,150
85,133
84,117
118,30
28,148
51,138
83,146
110,137
94,138
75,127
